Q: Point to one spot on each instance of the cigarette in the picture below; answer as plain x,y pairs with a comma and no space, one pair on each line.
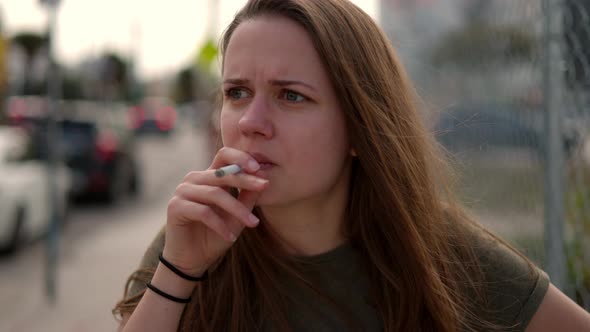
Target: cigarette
227,170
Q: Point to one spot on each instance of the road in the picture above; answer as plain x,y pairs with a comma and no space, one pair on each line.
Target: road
100,247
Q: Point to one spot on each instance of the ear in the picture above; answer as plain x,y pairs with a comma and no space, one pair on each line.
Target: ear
353,152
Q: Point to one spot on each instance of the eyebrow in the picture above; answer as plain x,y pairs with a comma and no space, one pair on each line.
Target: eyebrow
241,81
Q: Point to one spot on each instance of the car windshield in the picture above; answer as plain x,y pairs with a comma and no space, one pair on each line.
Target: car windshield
75,137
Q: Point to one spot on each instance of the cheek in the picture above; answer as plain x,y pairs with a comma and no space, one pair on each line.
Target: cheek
324,140
319,150
228,124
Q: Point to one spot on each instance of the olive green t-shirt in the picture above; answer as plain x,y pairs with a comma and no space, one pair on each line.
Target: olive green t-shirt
514,291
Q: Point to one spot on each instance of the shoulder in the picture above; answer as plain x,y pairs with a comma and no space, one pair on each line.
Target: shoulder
514,287
150,257
559,313
148,264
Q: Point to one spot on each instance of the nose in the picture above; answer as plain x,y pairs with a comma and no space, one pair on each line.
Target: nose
255,120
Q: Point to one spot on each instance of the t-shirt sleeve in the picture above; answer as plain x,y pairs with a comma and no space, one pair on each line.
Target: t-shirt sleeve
149,261
514,286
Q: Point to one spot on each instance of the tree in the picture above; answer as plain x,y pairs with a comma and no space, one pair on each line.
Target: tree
184,88
114,76
31,44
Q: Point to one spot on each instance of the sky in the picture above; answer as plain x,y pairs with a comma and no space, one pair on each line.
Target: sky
163,34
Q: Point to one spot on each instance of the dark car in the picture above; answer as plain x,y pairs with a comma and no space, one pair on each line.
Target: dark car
473,125
153,115
95,143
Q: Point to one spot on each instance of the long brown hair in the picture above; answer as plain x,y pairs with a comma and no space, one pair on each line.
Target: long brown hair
401,217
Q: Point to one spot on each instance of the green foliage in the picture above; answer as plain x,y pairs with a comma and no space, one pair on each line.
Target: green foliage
30,42
114,76
184,87
115,68
578,249
478,44
207,55
71,87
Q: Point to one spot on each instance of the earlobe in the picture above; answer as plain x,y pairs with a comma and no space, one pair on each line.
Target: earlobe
353,152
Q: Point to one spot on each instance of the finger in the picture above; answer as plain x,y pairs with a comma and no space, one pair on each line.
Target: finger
188,212
211,195
235,226
226,156
241,180
248,198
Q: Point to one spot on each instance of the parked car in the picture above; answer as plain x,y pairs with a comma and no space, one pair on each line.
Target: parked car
476,125
95,142
153,115
25,206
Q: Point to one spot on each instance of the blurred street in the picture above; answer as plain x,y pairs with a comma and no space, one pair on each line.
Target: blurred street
100,247
118,113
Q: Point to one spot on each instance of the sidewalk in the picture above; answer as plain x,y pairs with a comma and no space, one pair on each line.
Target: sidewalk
100,249
90,280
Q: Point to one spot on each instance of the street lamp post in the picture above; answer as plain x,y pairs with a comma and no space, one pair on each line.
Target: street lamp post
53,95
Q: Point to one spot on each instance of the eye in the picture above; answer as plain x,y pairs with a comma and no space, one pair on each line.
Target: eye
236,93
292,96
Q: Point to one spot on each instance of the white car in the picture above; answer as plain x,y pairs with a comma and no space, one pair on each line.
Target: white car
24,198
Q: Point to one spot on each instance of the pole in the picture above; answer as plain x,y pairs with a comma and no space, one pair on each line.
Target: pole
53,134
212,27
554,156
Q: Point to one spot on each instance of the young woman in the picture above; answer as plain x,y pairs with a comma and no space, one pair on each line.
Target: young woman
338,219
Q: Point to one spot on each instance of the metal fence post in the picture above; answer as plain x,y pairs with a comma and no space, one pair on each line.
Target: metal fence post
554,156
53,134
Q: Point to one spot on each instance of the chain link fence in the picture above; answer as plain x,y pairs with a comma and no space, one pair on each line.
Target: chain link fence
506,85
576,49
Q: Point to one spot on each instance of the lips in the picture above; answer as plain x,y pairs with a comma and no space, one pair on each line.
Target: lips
264,161
264,166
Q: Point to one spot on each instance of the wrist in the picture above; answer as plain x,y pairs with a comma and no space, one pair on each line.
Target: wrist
172,284
183,267
193,275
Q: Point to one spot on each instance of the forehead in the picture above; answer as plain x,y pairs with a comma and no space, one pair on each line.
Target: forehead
271,45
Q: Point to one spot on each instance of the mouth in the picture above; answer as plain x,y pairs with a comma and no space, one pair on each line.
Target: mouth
264,166
264,161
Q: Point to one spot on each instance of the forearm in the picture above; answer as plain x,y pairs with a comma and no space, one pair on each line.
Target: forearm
156,313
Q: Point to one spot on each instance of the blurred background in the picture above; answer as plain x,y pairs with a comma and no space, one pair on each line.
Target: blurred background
106,105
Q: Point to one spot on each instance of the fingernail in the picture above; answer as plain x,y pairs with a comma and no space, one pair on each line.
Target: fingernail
253,165
253,219
232,237
261,181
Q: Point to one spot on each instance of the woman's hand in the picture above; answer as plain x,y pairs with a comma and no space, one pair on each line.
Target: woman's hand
204,219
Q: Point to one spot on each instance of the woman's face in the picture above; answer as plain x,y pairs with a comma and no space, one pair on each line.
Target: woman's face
280,107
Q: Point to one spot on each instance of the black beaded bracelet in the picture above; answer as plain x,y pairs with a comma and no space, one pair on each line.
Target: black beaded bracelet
166,295
180,273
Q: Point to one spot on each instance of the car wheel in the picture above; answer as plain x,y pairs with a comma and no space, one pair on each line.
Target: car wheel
118,187
134,183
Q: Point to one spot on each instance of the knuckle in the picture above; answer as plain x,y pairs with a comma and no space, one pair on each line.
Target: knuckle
182,188
205,212
223,151
213,191
174,204
191,176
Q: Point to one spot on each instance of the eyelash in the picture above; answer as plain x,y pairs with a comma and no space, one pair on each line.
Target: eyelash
286,91
228,92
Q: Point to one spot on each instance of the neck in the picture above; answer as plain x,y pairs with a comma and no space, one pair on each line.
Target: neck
312,226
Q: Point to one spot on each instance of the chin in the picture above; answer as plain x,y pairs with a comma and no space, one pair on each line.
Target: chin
267,199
